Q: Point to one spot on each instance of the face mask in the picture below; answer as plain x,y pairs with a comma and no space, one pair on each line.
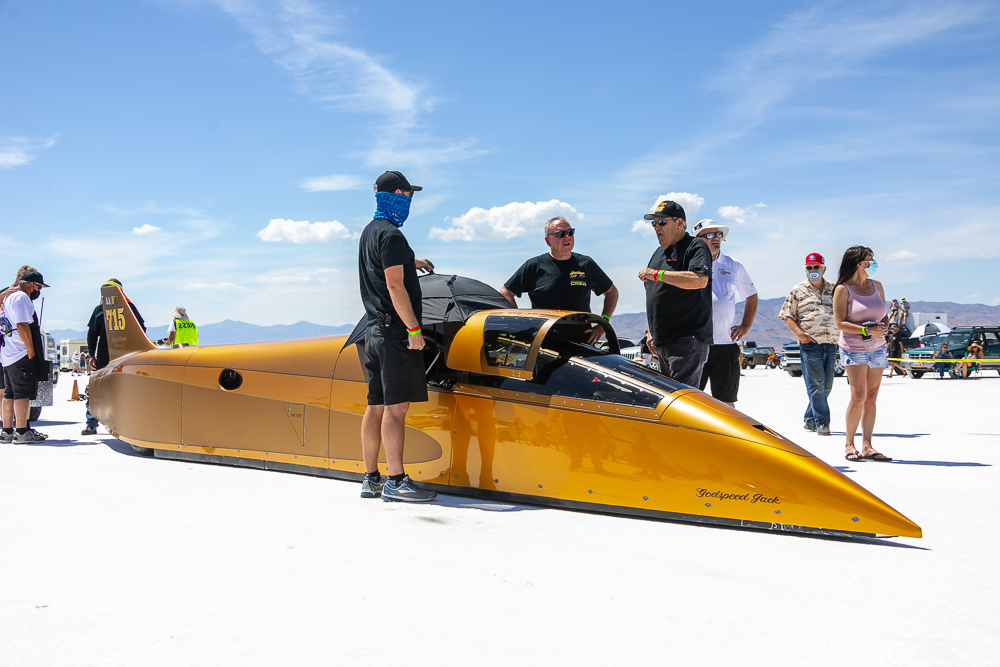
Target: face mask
34,295
392,207
814,275
872,268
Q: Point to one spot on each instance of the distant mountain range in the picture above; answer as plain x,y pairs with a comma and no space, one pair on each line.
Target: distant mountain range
768,330
230,331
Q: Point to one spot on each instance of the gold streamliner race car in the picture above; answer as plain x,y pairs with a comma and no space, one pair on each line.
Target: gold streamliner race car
520,408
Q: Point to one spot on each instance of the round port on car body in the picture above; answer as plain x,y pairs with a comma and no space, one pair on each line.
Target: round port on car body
230,379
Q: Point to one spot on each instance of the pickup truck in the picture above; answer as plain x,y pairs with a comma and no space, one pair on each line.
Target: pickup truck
920,360
753,355
791,361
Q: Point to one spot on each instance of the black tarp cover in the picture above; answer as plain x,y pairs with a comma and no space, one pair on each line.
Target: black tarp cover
446,299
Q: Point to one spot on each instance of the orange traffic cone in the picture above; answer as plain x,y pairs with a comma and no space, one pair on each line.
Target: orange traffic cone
75,396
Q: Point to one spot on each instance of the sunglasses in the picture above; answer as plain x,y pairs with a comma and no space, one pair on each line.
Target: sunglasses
659,222
712,235
810,267
563,233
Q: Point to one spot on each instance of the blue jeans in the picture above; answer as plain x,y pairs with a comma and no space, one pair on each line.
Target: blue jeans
817,370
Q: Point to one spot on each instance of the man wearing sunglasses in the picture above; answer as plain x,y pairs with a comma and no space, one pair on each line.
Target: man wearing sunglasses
729,279
678,284
808,314
562,279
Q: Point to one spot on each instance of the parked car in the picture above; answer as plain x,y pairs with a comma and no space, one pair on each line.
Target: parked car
791,361
920,360
753,355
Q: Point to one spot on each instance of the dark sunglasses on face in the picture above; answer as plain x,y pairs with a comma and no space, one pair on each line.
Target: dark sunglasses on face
659,222
563,233
810,267
712,235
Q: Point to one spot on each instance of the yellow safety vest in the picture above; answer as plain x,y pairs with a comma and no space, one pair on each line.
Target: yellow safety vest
185,332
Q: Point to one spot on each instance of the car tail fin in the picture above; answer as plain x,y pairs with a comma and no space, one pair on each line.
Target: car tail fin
122,329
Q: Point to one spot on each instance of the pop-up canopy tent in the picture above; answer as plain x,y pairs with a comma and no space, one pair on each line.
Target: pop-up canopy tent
448,301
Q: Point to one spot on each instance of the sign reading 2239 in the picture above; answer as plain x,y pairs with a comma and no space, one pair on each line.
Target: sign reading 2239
115,318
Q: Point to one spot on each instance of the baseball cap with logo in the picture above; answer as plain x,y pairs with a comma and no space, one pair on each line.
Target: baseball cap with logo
815,258
391,181
33,277
667,209
707,224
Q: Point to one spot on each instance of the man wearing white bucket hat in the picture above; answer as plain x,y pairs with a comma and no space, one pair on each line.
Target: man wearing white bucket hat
729,278
182,331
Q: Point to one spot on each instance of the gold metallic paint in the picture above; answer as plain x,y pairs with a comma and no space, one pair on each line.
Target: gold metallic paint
301,404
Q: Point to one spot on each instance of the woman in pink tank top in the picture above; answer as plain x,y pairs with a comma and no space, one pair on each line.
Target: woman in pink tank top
861,315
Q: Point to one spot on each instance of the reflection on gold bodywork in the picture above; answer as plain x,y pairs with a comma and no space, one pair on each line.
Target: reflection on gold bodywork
633,443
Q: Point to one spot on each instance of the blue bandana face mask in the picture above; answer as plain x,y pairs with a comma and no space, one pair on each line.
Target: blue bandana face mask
872,268
392,207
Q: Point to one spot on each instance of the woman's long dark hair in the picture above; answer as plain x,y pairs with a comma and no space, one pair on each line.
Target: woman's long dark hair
849,265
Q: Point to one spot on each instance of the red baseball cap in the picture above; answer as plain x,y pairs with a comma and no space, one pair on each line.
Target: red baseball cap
815,258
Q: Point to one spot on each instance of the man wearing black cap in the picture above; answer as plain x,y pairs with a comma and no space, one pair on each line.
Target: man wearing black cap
97,343
23,358
394,363
678,296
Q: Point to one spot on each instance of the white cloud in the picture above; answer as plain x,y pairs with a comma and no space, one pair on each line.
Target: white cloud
832,40
213,287
643,227
298,35
502,223
901,254
995,302
19,151
333,182
145,229
304,232
298,276
739,214
692,203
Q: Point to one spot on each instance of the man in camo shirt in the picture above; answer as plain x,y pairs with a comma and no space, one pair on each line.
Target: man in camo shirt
808,314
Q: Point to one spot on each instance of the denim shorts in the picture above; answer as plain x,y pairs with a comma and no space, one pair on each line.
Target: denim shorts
873,358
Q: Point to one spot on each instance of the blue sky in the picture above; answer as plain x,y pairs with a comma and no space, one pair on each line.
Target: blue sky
220,154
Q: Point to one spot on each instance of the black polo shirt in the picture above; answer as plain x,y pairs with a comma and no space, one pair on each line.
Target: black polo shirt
560,284
382,245
674,312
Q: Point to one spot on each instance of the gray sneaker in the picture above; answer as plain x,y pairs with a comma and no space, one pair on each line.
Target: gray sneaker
823,428
370,488
406,491
6,438
27,438
43,436
810,425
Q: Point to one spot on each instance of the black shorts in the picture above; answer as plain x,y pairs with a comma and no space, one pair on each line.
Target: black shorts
20,379
723,368
395,373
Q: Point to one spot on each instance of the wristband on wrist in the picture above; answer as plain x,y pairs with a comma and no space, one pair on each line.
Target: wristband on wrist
413,332
607,317
864,330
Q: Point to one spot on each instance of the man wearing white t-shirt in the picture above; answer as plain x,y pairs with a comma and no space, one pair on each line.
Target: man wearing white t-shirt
19,358
729,279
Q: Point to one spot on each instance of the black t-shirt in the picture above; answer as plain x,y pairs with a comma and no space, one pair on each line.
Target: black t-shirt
674,312
560,284
382,245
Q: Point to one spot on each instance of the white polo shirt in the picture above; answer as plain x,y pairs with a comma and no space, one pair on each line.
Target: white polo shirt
729,279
